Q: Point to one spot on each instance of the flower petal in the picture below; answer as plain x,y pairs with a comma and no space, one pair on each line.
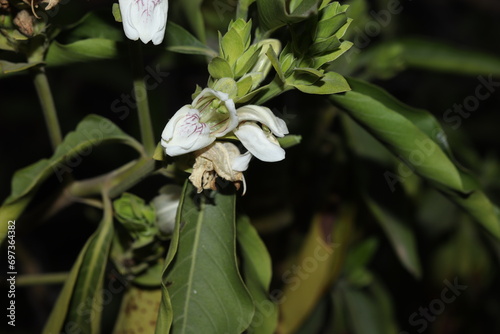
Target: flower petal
144,19
240,163
210,94
256,141
184,133
263,115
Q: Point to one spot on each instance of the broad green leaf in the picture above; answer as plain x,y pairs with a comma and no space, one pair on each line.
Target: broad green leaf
387,123
81,51
76,305
257,271
138,311
331,83
430,55
420,142
400,236
93,130
179,40
205,290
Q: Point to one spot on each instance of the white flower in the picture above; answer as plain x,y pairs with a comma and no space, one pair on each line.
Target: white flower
261,141
144,19
166,205
193,127
212,114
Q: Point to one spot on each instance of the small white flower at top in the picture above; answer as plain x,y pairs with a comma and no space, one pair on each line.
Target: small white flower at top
144,19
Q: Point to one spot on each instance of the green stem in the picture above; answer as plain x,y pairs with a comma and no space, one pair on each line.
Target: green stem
141,96
39,279
49,110
116,181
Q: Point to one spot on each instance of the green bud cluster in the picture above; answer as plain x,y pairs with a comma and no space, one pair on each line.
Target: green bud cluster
240,66
316,42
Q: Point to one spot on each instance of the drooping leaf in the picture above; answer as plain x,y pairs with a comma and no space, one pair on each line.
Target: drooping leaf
257,272
205,290
400,236
415,137
79,301
435,56
84,50
91,131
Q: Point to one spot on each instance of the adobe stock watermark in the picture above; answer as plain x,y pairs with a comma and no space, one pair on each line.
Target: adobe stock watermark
406,167
454,116
293,278
436,307
380,19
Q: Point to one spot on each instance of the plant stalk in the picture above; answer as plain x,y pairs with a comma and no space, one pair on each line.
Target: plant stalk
141,97
49,110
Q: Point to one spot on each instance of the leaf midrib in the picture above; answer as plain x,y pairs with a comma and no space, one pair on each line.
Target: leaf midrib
193,263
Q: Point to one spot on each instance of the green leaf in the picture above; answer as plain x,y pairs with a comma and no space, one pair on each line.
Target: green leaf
400,236
76,305
331,83
179,40
85,50
194,14
165,315
206,291
93,130
6,67
370,107
415,137
257,271
324,46
219,68
232,46
275,14
273,58
369,310
344,47
432,55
